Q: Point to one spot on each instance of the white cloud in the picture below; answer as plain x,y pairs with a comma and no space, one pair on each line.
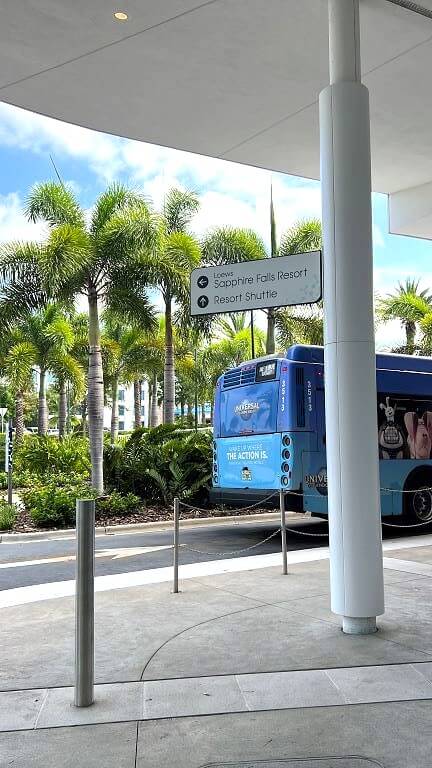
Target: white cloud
14,224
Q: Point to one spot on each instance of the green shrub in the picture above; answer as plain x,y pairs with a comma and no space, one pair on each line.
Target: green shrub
117,505
3,480
53,504
24,479
48,455
161,463
2,450
8,514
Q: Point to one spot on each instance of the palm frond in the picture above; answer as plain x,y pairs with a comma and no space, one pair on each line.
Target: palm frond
54,203
303,236
230,245
179,208
115,199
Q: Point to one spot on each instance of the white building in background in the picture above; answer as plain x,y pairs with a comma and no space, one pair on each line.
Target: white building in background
126,408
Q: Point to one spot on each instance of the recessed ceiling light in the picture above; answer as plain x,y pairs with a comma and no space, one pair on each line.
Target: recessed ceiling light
120,16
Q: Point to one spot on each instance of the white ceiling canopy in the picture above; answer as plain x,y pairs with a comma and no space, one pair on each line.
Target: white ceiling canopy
235,79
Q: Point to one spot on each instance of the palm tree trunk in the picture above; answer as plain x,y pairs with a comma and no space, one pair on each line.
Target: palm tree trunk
95,398
169,369
19,416
410,330
62,408
84,416
154,402
114,409
203,414
270,341
43,406
137,403
149,402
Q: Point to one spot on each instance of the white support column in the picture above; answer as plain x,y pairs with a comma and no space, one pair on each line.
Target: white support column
357,592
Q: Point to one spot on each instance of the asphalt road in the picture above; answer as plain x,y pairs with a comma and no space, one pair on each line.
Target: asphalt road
27,562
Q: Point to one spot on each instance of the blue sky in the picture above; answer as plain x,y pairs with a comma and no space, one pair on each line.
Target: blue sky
230,194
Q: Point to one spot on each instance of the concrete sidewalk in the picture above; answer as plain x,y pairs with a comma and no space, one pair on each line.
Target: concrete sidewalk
247,667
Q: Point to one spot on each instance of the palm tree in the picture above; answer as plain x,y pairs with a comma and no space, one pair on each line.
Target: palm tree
102,259
17,366
230,325
126,349
230,245
271,312
409,305
48,337
303,325
303,236
178,252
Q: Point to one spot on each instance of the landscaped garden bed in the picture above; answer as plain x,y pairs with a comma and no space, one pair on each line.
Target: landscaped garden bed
143,474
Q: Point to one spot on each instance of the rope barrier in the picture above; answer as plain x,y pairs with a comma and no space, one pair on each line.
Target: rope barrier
299,494
251,506
409,525
234,551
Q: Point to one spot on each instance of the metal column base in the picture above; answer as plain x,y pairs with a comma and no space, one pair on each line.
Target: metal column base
359,626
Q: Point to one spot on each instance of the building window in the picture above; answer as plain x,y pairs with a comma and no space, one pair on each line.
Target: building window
121,394
121,426
143,410
121,410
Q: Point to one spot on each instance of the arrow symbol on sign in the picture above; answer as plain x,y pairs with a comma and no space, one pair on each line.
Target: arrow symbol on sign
202,281
203,301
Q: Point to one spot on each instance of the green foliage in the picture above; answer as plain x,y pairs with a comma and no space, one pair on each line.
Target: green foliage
53,505
161,463
117,505
47,455
23,479
3,480
8,514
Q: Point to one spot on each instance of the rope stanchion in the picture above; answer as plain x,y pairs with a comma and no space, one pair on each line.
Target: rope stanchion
283,534
176,545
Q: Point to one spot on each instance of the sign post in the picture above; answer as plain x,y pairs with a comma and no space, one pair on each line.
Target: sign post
9,458
259,284
3,412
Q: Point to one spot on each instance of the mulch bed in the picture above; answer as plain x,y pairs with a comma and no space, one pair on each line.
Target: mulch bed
148,514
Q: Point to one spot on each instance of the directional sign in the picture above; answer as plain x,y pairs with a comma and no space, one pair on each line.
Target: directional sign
260,284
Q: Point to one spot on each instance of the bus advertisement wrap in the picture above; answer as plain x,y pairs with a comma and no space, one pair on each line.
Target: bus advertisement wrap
249,461
270,433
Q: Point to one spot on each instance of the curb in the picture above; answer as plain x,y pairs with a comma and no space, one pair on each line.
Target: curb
162,525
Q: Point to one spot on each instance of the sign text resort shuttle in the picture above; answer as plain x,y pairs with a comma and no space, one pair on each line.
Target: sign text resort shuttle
277,282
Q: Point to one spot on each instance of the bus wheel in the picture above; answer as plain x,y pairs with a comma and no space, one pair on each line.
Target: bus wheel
418,498
421,504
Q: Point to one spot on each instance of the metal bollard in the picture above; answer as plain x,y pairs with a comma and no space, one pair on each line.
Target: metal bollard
283,533
176,544
84,603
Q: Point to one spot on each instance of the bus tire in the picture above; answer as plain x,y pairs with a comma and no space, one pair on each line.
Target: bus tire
417,503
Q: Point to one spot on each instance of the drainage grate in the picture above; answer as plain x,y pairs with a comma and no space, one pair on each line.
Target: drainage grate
338,761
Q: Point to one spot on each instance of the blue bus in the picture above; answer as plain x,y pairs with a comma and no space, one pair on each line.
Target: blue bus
270,434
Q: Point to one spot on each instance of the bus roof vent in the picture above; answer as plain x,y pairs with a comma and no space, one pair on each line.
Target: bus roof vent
237,376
